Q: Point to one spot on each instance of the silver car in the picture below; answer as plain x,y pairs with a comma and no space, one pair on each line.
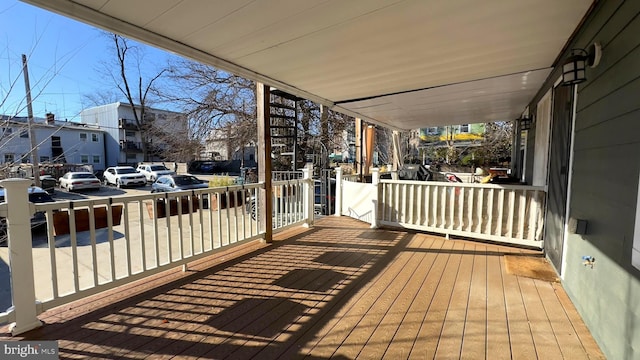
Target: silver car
79,180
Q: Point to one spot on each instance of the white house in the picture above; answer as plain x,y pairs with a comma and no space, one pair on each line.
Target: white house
56,141
124,137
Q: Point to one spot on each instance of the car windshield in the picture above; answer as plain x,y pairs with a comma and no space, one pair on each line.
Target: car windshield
126,171
158,168
82,176
187,180
40,197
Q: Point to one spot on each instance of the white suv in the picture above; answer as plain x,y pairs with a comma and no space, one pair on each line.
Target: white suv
123,176
153,171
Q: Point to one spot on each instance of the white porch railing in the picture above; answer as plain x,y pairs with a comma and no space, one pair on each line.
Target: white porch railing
506,213
98,244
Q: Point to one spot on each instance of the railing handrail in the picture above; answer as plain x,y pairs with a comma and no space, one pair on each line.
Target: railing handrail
467,185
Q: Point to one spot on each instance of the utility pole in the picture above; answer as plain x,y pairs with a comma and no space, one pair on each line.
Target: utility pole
35,161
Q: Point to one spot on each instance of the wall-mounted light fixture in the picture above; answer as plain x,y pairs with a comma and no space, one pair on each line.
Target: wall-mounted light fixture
574,68
525,122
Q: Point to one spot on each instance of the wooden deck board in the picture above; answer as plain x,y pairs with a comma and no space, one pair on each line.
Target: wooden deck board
339,290
497,324
433,321
450,344
475,331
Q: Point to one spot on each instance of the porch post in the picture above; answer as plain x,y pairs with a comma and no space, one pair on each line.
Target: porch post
265,209
395,140
338,191
308,202
23,294
375,182
358,160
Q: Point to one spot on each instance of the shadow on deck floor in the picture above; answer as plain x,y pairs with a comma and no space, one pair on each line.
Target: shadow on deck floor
339,290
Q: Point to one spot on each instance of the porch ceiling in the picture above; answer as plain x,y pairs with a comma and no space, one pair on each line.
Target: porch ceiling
402,64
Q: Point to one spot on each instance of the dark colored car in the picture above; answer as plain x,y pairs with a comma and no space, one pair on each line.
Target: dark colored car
36,195
168,183
48,183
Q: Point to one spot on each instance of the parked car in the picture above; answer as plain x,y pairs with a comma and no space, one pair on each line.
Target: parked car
153,171
79,180
36,195
123,176
48,183
170,183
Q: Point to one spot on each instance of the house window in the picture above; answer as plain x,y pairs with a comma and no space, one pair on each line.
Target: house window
55,141
129,133
83,136
94,137
8,158
464,128
44,159
96,159
24,134
84,159
6,131
25,158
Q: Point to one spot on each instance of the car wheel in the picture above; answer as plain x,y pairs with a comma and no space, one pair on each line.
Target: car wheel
105,182
152,178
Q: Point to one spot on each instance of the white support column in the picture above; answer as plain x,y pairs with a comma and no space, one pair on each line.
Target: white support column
308,202
375,182
23,294
338,192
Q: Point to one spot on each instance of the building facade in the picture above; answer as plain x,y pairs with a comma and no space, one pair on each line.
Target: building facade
161,136
56,142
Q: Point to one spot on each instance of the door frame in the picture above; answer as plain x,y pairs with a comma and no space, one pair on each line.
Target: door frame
571,153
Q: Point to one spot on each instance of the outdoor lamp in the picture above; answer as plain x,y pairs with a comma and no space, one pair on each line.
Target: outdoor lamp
574,68
525,122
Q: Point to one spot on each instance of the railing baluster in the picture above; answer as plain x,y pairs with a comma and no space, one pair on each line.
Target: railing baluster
219,216
452,206
127,237
510,213
74,247
522,214
418,203
201,207
92,239
469,207
500,227
167,213
228,218
51,242
427,197
460,208
143,250
235,214
491,203
480,212
112,256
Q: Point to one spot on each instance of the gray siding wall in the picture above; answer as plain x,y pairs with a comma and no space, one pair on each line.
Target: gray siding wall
604,186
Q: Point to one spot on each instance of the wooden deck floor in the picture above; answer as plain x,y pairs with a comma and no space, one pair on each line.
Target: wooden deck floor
337,291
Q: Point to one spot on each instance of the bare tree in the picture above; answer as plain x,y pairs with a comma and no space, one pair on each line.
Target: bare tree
125,72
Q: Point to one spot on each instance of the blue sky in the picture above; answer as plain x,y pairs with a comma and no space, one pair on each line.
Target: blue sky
63,56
